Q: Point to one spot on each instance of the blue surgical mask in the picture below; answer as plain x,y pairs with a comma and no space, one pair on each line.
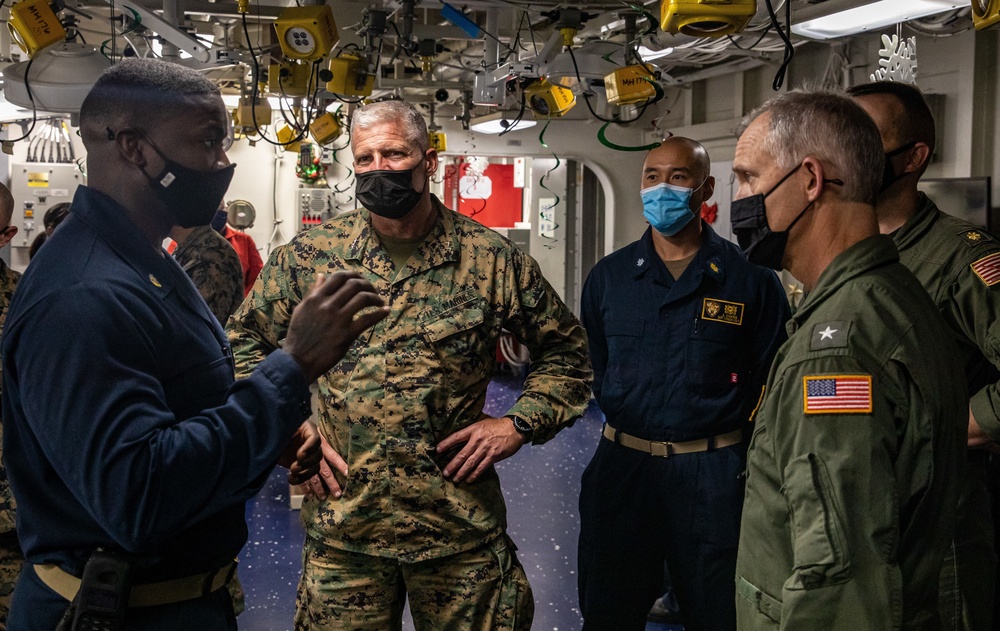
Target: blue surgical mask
667,207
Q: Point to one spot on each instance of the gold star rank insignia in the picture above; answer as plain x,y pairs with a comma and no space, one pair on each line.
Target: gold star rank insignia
974,237
155,282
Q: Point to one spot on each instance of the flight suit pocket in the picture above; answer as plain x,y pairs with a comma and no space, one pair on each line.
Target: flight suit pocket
819,546
715,358
461,344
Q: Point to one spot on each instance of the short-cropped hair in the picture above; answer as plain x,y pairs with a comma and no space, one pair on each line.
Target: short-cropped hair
141,90
917,123
393,111
830,127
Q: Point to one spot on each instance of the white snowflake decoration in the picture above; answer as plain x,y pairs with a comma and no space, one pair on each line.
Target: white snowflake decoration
898,60
476,166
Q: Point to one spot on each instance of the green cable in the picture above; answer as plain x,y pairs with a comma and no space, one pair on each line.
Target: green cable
610,145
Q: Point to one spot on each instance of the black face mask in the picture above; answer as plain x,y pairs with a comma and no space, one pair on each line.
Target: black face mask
194,196
749,218
889,176
388,194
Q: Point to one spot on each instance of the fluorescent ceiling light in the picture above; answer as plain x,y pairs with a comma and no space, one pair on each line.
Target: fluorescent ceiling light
872,16
491,123
648,54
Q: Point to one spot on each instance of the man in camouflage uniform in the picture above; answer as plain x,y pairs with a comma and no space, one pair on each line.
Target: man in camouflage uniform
213,266
11,558
407,516
852,473
958,264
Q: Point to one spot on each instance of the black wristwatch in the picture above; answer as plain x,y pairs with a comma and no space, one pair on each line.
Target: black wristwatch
523,427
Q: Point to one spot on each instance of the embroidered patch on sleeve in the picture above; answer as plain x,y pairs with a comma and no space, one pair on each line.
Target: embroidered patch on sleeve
974,237
722,311
837,394
988,269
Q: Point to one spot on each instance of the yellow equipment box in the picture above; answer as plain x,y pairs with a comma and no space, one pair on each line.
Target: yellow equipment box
306,33
325,128
35,26
437,140
288,79
548,100
628,85
349,76
985,13
706,18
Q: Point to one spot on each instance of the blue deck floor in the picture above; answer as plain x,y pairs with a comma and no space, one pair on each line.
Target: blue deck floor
541,485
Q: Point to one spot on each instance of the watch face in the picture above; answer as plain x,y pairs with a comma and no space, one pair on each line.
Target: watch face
522,426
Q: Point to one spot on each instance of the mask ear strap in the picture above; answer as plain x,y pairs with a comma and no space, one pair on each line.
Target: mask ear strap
782,180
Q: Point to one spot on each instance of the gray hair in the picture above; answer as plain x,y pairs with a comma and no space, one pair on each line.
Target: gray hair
145,89
830,127
393,111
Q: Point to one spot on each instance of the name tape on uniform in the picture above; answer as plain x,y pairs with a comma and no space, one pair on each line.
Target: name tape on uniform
722,311
837,394
988,269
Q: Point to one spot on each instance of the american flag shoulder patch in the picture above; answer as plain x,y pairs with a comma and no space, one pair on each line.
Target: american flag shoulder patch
837,394
988,269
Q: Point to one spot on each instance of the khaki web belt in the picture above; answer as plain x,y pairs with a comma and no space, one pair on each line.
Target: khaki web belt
667,449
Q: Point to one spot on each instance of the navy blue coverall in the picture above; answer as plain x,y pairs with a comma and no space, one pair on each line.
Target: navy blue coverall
123,426
673,361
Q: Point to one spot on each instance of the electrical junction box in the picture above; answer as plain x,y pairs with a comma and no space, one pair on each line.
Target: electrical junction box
325,128
306,33
548,100
437,140
288,79
314,206
706,18
628,85
349,76
35,26
36,187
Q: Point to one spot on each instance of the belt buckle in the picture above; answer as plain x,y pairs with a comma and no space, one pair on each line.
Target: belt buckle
660,449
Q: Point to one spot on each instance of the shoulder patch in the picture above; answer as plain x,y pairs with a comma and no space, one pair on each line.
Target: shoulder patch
831,334
974,237
988,269
837,394
722,311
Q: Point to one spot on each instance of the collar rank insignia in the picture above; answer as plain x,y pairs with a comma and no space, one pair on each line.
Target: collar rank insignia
831,334
714,267
640,262
974,237
155,282
722,311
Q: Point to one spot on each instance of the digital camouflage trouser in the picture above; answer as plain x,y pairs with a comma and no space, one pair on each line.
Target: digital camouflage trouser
11,562
480,589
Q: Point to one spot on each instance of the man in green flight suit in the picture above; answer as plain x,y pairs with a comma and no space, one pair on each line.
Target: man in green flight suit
958,264
416,513
852,473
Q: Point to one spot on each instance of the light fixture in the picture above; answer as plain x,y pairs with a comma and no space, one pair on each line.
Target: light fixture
872,16
61,76
498,122
648,54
